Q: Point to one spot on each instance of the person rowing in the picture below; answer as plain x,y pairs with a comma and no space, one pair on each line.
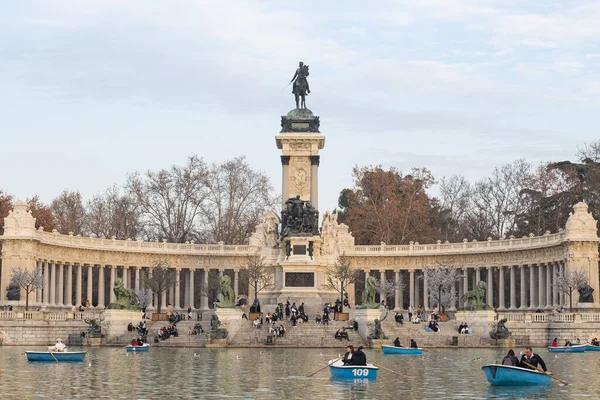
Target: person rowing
413,344
59,347
359,357
532,359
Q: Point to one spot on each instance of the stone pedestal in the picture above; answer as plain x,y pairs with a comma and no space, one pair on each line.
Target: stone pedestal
365,317
587,307
216,343
116,321
231,319
473,316
93,342
377,343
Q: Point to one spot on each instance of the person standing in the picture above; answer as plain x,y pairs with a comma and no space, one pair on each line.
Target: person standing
532,359
410,313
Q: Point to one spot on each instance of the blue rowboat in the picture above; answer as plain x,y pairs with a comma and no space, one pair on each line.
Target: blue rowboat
591,347
400,350
340,371
507,375
138,349
576,348
70,356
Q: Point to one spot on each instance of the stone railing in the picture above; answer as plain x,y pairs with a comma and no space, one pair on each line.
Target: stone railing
546,318
464,247
48,315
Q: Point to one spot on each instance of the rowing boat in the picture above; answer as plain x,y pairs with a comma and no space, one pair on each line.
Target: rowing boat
591,347
339,370
70,356
576,348
400,350
507,375
138,349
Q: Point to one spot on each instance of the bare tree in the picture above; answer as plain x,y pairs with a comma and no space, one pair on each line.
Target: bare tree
441,285
170,200
69,213
455,195
260,276
144,297
571,281
386,288
341,275
114,214
159,279
28,280
237,198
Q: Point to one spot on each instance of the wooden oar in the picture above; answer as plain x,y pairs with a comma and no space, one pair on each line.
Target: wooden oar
387,369
545,373
55,359
321,369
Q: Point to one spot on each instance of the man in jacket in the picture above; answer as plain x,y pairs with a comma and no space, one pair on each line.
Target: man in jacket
359,357
532,359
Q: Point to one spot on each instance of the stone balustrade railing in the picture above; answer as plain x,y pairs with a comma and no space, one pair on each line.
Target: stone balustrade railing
464,247
546,318
48,315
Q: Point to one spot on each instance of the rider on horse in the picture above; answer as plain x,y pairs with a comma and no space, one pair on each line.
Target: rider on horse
300,87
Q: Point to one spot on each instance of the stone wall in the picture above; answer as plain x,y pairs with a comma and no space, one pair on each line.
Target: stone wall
38,333
542,334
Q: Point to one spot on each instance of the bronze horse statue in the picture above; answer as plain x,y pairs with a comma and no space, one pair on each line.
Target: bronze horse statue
300,87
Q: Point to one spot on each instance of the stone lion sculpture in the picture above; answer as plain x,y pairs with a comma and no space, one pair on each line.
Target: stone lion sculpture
368,295
126,299
227,293
474,299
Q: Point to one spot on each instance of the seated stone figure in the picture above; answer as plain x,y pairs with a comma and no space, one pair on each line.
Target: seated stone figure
227,294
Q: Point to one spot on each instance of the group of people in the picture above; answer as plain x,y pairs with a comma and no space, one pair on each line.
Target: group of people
413,344
354,357
577,341
277,330
341,334
196,330
529,360
166,332
433,326
138,342
399,318
463,328
415,316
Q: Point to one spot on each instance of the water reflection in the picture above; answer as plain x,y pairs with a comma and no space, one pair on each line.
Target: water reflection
277,374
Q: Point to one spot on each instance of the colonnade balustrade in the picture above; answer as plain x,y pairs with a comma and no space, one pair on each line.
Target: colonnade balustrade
527,287
63,285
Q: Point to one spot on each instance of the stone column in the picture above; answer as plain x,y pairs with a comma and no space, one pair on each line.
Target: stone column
101,302
548,269
314,181
46,293
38,291
78,283
513,288
53,283
125,270
563,295
191,290
532,299
90,288
554,288
425,292
220,273
177,288
204,295
411,289
236,284
523,288
465,284
61,284
113,272
381,279
397,295
490,287
417,290
69,291
285,190
163,301
137,278
477,276
501,288
541,287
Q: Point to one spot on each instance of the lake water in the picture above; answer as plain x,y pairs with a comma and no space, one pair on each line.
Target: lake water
164,373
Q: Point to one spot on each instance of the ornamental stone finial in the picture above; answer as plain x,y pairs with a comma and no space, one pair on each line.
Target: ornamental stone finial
581,224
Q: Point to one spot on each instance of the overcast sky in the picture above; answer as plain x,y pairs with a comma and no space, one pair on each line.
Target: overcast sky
93,90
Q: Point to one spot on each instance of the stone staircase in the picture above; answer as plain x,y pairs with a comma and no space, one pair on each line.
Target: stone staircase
443,338
308,334
183,340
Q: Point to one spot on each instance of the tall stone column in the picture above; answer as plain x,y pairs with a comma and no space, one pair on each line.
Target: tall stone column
411,290
554,288
191,290
236,283
532,297
417,290
78,283
563,295
113,272
137,278
177,288
513,288
101,290
53,283
90,285
490,287
204,298
465,284
397,295
501,288
477,276
163,301
69,291
61,284
381,279
125,273
541,287
285,184
548,269
314,181
425,292
38,291
523,288
46,293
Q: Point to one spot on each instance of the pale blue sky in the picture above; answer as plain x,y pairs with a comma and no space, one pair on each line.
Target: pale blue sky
92,90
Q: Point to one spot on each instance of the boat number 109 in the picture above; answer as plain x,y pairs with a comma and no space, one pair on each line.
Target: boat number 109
360,372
